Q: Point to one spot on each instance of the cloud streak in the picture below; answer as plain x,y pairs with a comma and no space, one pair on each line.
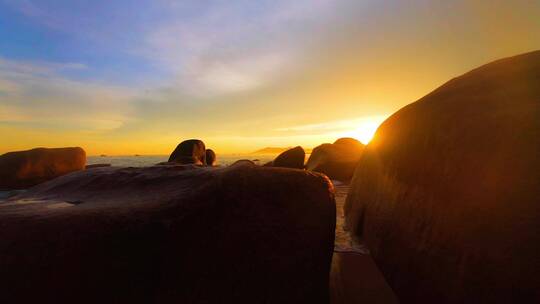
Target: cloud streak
35,92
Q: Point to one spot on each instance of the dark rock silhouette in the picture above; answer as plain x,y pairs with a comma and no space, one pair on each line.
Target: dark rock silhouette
338,160
7,194
446,196
170,234
210,157
243,162
97,166
190,151
23,169
292,158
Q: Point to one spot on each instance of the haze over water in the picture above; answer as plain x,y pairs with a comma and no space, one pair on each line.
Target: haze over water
149,160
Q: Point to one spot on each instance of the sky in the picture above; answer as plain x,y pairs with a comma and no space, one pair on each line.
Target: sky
137,77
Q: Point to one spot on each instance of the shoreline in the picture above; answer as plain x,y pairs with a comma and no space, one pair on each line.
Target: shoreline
354,276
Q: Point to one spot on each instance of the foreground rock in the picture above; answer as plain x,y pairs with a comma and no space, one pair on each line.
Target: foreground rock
170,234
24,169
93,166
190,151
293,158
446,196
338,160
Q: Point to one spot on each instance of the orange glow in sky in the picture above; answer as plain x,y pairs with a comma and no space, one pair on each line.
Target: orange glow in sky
303,72
366,128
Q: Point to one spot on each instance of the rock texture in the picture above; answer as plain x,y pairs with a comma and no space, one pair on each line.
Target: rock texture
24,169
338,160
170,234
446,196
293,158
191,151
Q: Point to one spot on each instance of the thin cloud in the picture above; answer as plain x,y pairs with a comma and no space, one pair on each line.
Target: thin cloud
22,67
335,126
228,48
35,92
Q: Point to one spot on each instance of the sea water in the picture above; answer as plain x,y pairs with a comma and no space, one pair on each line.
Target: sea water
149,160
344,242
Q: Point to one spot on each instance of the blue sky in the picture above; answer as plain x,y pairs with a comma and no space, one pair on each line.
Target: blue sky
104,37
128,41
139,76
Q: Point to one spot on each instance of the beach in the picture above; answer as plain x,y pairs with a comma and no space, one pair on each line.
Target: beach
354,277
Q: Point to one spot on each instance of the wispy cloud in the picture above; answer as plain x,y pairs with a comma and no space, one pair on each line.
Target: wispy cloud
43,68
232,47
256,72
335,125
35,92
361,128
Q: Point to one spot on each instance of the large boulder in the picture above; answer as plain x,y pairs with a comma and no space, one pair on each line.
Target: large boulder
338,160
191,151
24,169
170,234
446,196
293,158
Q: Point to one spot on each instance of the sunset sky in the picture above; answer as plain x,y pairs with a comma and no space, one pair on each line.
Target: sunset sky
127,76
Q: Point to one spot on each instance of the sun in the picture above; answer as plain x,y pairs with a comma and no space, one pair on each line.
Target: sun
365,132
365,128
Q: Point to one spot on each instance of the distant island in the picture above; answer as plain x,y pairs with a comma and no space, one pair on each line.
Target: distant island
276,150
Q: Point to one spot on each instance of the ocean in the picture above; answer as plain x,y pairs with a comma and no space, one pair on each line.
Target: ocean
149,160
344,242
